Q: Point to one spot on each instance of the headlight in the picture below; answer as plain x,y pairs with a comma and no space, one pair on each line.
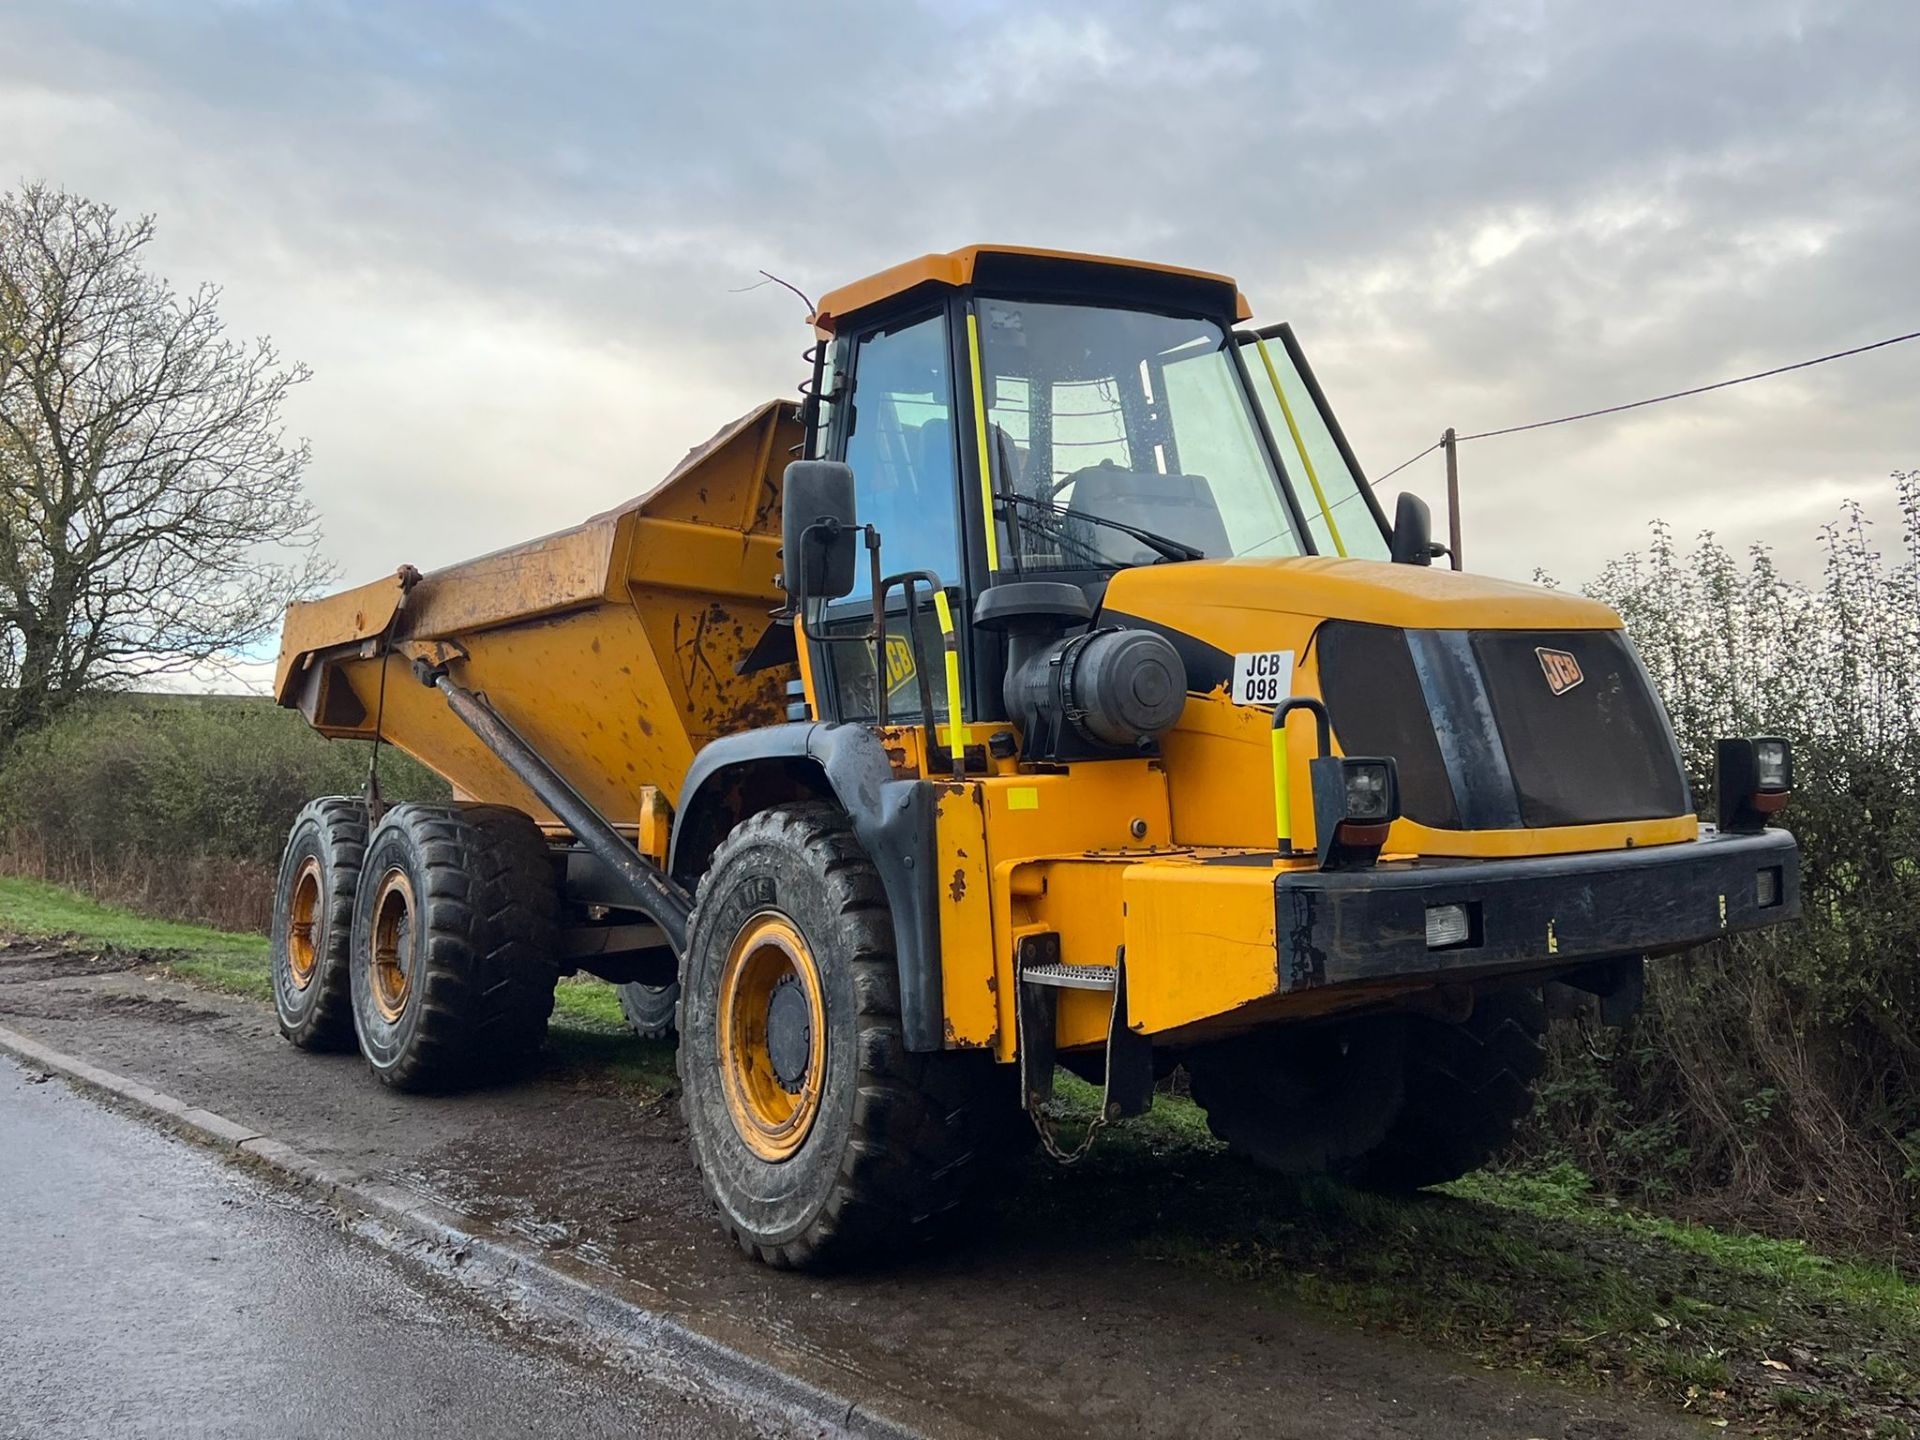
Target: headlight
1355,800
1369,790
1772,765
1751,781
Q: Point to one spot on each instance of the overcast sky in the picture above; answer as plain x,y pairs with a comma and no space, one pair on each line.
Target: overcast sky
507,237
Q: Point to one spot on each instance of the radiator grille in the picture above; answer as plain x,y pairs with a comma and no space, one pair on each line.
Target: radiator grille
1506,728
1374,700
1601,750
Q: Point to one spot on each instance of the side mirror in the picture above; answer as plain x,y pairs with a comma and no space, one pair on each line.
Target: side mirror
819,536
1413,532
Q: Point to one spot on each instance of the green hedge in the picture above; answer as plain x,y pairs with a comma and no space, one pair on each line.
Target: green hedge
1779,1075
178,803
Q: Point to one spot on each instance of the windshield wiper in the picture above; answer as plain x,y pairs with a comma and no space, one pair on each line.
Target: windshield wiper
1164,546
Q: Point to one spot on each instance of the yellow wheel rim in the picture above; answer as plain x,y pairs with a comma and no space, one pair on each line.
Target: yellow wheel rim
391,969
303,923
773,1036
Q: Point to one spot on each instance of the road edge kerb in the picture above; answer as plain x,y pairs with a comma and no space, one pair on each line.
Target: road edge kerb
466,1251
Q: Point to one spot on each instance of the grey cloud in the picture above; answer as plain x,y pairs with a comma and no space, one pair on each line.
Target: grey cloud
1475,214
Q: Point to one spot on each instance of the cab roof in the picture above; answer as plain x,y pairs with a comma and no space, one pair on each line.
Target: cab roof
1009,264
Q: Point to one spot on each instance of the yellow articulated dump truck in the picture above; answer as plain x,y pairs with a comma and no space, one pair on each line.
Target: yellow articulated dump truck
1046,687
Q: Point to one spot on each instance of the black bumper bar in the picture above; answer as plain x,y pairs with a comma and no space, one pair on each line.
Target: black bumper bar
1353,927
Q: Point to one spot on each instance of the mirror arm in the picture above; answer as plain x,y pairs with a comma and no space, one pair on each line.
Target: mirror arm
907,580
876,632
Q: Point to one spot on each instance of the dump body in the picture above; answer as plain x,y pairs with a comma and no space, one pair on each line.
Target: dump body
614,647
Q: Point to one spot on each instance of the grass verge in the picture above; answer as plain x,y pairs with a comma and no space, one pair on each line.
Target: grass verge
220,958
589,1039
1531,1271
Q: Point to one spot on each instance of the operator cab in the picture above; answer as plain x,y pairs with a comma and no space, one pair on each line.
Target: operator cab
1016,416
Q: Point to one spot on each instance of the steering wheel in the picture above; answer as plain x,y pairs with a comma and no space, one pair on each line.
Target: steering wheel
1064,481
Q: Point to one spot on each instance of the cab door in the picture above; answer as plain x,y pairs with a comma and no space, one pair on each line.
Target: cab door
896,431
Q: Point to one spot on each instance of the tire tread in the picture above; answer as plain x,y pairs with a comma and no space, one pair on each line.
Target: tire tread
490,909
926,1127
341,821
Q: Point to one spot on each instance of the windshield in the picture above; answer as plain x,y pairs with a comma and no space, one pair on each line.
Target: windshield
1102,421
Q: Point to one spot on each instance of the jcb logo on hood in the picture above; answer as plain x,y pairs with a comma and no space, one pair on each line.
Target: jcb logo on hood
1560,668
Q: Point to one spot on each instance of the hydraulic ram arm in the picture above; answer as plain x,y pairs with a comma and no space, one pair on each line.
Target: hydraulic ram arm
654,892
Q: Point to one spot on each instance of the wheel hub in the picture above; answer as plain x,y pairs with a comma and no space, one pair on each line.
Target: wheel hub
789,1033
391,964
771,1020
303,923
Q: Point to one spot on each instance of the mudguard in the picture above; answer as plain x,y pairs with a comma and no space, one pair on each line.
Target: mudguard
894,821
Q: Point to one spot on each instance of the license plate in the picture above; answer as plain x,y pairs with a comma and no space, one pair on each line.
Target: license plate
1262,677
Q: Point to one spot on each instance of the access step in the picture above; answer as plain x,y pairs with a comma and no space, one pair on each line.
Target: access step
1071,977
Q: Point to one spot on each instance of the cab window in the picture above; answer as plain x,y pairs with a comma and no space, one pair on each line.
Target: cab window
901,446
1105,422
900,443
1338,516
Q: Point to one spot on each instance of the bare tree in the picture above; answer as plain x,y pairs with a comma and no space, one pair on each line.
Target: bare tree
151,517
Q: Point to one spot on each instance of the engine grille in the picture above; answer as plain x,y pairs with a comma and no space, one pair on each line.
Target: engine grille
1500,729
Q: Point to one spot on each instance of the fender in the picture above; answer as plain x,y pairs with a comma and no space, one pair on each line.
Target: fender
894,820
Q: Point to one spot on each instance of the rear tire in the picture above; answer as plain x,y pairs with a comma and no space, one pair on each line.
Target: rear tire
819,1137
454,933
651,1010
1468,1088
313,923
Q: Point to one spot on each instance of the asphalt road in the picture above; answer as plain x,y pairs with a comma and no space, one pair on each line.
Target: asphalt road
146,1288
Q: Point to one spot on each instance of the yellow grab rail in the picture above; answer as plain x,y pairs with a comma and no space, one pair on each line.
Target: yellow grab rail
957,735
1282,790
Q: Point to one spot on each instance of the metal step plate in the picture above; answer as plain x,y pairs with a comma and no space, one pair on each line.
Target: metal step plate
1072,977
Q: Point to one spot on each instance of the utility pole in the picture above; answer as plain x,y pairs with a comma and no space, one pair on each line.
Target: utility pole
1453,496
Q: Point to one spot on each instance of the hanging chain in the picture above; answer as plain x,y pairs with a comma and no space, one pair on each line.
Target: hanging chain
1045,1127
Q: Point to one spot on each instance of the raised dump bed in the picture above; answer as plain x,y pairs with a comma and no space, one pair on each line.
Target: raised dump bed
614,648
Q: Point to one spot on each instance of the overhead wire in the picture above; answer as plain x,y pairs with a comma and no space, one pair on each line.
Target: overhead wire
1404,463
1651,400
1696,390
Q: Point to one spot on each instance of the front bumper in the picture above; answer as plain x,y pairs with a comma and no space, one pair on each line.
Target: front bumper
1361,926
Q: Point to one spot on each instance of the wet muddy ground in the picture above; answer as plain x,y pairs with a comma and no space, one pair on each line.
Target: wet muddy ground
1054,1324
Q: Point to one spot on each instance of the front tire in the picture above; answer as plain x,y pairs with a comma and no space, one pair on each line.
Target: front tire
1469,1085
819,1137
1395,1102
454,933
313,923
1303,1100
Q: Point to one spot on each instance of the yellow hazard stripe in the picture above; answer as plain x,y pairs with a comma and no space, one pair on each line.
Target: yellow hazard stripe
1282,801
980,438
957,735
1320,495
